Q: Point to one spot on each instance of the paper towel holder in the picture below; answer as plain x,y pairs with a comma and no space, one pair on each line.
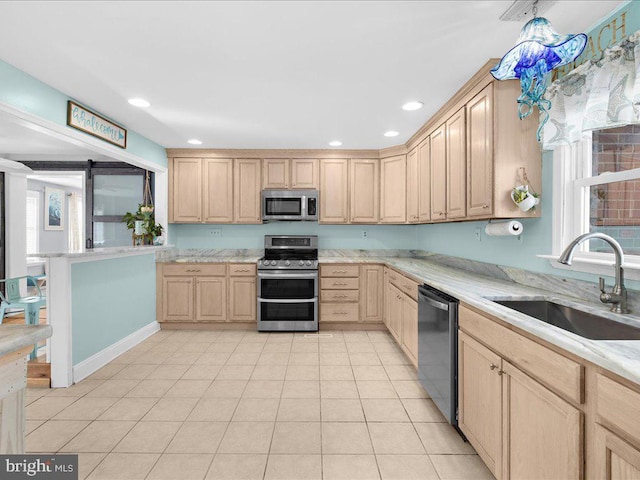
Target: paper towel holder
504,228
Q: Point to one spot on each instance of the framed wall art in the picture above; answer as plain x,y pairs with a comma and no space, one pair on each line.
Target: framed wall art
53,209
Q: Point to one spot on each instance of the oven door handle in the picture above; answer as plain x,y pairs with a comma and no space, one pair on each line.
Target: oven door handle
275,300
286,275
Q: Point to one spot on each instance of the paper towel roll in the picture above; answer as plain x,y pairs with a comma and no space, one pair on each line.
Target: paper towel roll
512,227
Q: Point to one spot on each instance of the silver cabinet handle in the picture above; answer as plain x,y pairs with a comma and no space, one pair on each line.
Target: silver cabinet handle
493,367
339,284
484,205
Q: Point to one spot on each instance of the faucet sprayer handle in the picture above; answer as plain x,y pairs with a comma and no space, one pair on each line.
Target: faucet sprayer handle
602,285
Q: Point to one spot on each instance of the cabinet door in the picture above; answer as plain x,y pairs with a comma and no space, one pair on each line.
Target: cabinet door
480,154
218,190
186,190
275,173
542,434
177,299
242,299
371,293
413,182
480,400
438,174
247,191
424,183
410,328
393,189
456,167
364,192
334,185
394,322
615,458
211,299
304,173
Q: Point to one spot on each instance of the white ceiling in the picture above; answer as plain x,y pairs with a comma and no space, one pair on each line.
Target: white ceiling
273,74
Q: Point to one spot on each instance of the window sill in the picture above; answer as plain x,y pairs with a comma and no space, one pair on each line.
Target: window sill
597,264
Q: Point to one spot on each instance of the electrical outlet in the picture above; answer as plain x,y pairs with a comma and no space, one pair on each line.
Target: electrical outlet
216,233
365,234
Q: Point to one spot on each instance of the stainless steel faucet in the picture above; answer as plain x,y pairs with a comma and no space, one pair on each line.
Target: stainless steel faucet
618,296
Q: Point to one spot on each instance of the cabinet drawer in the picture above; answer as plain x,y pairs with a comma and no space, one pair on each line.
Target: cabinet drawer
405,284
195,269
561,374
339,270
618,405
242,270
339,296
339,312
340,283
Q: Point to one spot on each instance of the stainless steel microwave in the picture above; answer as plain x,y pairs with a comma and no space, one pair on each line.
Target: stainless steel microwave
289,205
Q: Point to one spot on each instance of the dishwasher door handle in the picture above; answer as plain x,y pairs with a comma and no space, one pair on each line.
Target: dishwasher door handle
434,303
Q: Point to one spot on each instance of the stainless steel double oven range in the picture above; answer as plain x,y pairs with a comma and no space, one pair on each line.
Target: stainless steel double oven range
288,284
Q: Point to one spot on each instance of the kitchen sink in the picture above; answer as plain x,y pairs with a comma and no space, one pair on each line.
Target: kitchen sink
575,321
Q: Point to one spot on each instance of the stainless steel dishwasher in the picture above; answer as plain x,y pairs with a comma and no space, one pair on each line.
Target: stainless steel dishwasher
438,349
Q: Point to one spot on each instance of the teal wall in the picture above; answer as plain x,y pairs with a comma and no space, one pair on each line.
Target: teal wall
26,93
329,236
110,299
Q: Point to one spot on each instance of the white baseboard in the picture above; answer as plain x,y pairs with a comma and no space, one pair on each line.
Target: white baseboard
96,362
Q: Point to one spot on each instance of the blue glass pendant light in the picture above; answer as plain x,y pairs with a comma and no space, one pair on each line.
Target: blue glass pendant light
538,51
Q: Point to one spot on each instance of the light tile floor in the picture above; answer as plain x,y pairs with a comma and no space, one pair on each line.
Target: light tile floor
246,405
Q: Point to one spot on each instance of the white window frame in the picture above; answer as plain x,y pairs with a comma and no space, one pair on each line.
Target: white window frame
35,195
571,183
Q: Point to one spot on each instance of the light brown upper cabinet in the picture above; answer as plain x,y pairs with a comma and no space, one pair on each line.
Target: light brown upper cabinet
393,189
186,190
304,173
438,174
364,175
480,154
246,204
334,190
275,173
413,186
285,173
217,190
456,167
448,170
424,184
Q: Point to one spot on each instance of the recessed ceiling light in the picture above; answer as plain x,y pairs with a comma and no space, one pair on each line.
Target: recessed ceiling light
335,143
410,106
391,133
139,102
194,141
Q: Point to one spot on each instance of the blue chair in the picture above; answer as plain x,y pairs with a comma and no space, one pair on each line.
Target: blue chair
30,304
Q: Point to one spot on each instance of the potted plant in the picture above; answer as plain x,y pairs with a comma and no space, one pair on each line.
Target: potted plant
524,198
142,222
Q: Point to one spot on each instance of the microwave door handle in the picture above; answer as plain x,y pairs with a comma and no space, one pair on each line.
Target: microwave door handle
435,303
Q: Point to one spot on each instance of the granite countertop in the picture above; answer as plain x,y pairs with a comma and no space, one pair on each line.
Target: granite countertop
15,337
95,252
619,356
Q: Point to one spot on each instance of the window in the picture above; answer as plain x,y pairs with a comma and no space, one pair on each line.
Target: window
33,216
597,189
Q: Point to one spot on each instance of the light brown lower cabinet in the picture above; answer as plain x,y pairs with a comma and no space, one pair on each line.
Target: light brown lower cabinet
518,427
206,292
242,292
616,459
401,311
211,299
372,298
